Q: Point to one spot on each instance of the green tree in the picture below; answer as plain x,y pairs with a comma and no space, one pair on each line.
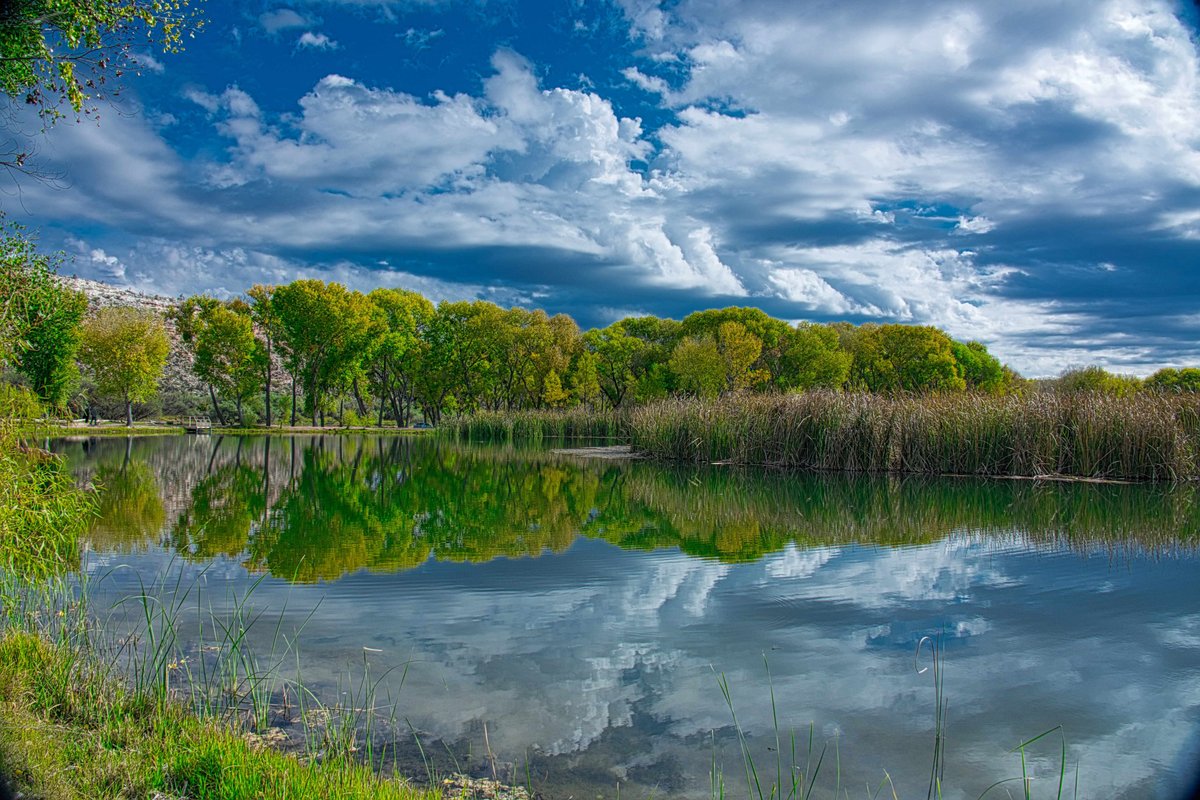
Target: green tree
77,52
125,351
698,366
1174,381
739,349
262,313
329,332
1096,379
813,358
48,359
921,358
228,356
392,370
980,369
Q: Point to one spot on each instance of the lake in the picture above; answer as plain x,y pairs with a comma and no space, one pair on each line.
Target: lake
571,623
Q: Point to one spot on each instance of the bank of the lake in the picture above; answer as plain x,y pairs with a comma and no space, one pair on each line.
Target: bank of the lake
72,729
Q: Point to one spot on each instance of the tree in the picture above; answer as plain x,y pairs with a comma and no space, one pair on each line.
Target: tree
813,358
39,317
262,313
392,370
921,358
76,52
739,349
228,356
980,369
698,366
330,333
1174,381
48,359
125,351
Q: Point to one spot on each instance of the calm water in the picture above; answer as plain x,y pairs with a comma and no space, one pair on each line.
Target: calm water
575,616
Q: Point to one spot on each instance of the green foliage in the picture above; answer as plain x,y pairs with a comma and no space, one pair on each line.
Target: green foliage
979,369
124,351
78,50
814,359
1096,380
19,403
1174,380
697,366
42,513
921,358
48,359
330,334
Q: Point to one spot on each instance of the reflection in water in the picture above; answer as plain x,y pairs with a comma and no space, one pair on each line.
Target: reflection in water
319,508
1066,604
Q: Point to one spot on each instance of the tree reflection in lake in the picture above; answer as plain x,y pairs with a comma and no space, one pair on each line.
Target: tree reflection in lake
316,508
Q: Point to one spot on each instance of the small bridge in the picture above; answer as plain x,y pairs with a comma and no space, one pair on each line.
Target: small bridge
197,425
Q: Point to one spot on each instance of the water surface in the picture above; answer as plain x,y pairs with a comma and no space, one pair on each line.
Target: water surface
582,613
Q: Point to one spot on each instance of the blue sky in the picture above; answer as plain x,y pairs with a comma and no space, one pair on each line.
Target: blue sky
1022,173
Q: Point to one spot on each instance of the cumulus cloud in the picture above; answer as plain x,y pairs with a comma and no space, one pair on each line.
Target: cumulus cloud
961,165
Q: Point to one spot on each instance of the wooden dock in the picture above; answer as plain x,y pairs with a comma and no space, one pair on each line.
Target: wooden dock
197,425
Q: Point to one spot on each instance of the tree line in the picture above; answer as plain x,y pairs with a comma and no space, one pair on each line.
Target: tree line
309,350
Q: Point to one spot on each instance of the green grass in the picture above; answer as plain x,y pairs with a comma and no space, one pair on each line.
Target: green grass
41,511
69,730
536,425
36,430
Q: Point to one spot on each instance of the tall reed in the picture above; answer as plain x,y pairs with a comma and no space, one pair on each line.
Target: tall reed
534,426
1086,435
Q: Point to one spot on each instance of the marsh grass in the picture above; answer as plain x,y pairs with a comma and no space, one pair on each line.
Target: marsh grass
537,425
1144,437
42,513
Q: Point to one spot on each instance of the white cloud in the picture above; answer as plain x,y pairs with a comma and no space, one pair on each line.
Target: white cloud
316,41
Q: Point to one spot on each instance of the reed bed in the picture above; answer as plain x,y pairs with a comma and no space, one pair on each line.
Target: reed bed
533,425
1151,438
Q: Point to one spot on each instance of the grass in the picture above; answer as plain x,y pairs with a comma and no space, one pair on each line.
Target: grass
141,715
70,731
1095,436
1152,438
41,511
536,425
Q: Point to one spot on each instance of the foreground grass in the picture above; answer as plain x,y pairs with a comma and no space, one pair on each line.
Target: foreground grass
68,730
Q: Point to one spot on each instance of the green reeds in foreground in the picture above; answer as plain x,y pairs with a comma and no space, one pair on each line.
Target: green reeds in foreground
69,731
86,712
41,511
1144,437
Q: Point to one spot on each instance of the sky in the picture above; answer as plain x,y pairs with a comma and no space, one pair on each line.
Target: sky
1026,174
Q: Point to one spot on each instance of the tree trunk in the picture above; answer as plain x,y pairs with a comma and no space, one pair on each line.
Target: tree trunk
362,407
267,392
241,418
293,401
342,412
379,424
128,412
216,406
